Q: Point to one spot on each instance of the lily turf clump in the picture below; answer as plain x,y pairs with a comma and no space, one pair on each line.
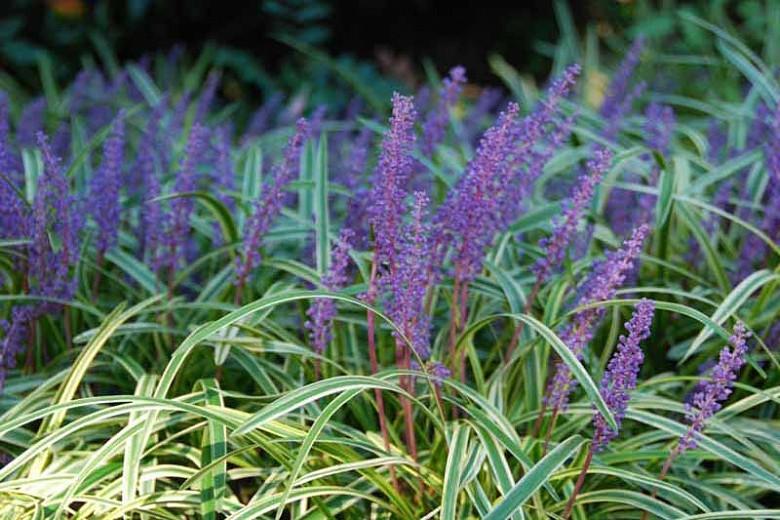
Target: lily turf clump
405,308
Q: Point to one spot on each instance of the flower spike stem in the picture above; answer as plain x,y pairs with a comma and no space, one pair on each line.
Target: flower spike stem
547,437
239,294
380,402
464,297
539,419
667,466
406,404
454,315
578,485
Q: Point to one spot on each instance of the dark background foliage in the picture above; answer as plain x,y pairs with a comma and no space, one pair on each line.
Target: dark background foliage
445,32
377,39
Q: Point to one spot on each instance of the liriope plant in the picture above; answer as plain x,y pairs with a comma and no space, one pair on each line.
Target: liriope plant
539,307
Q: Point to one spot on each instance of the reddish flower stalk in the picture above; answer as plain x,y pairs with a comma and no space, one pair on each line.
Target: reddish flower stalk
380,402
578,485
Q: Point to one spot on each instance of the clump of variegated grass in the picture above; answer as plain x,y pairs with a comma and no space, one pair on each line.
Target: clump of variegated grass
195,386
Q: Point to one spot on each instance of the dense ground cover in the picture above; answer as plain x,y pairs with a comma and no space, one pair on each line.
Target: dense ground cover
558,300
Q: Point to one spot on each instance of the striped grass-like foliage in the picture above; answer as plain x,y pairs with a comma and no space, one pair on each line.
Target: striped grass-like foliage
177,400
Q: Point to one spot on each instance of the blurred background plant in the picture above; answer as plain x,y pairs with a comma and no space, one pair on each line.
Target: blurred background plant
310,46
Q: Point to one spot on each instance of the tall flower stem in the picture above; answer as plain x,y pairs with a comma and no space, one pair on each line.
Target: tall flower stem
239,294
664,470
454,315
406,404
578,485
464,298
556,412
372,357
539,419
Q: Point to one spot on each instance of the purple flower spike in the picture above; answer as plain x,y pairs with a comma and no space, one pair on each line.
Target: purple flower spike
182,207
13,212
14,339
323,310
178,114
717,141
488,99
606,277
54,213
30,123
622,371
408,283
555,246
358,205
435,126
151,218
262,118
659,126
620,95
270,204
391,177
660,122
317,120
708,400
105,187
470,216
225,176
207,97
486,199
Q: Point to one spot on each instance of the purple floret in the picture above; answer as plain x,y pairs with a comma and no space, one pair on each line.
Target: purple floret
709,399
620,94
55,214
14,338
391,177
323,310
14,214
659,124
470,215
606,277
207,97
263,117
104,191
353,179
317,120
554,248
270,204
435,125
30,123
408,283
622,371
224,172
178,229
146,168
486,199
487,101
